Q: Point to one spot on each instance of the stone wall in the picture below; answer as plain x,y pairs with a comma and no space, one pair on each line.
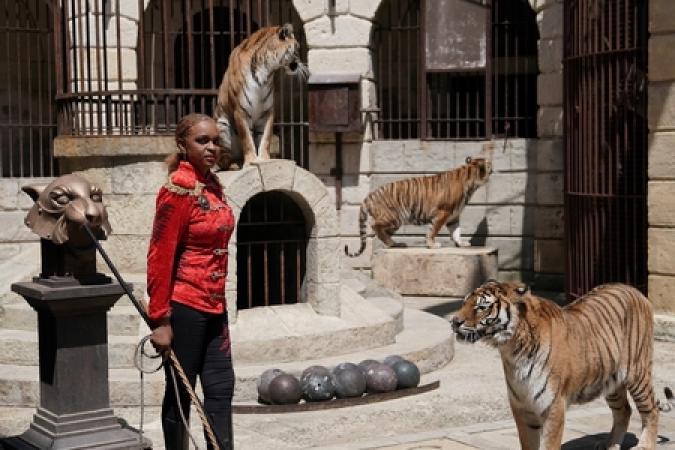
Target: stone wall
661,190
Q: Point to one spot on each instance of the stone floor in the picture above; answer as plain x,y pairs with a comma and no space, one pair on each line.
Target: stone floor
469,410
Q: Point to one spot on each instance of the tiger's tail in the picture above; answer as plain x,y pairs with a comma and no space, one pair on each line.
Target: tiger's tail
363,216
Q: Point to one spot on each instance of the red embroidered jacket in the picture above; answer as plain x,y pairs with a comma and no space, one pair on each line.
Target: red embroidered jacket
187,257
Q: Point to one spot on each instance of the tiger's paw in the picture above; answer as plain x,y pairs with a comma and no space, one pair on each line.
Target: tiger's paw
433,245
462,243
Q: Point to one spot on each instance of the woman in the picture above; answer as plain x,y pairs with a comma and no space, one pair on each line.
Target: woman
187,264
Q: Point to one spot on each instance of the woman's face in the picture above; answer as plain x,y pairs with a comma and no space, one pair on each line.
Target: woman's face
202,145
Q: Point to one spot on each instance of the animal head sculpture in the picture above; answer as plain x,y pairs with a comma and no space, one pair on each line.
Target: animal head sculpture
61,209
63,206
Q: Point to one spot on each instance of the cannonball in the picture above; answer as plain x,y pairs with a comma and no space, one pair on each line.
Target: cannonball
285,390
381,378
263,384
407,373
349,380
366,363
317,383
392,359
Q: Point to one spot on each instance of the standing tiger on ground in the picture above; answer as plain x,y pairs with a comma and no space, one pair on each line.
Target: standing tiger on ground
437,199
602,343
245,109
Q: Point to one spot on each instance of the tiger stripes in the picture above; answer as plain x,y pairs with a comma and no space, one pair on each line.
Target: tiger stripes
244,112
601,344
437,199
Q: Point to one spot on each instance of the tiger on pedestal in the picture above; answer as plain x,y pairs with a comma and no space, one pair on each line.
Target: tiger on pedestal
245,110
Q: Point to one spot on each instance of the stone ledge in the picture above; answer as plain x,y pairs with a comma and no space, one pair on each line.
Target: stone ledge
75,147
664,327
443,272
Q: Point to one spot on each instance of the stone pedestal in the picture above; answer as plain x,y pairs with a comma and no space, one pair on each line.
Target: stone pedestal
443,272
74,409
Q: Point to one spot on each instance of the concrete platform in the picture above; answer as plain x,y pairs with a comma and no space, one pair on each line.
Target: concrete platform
441,272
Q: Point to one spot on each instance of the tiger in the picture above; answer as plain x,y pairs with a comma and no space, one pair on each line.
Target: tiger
552,356
244,112
437,200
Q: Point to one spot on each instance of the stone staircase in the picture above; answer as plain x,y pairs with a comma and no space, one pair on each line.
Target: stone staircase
374,324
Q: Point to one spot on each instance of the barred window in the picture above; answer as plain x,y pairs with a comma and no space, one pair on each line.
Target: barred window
455,69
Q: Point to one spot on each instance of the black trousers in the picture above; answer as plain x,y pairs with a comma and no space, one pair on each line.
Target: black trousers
201,342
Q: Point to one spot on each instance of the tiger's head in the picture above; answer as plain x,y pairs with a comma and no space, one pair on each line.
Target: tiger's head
479,168
490,313
281,49
63,206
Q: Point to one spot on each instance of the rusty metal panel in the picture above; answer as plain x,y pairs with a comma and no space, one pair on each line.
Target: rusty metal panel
455,35
605,134
334,103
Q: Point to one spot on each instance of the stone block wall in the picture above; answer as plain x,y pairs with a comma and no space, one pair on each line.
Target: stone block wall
661,168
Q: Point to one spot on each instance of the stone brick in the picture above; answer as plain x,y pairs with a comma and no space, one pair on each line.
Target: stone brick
515,253
549,256
325,217
550,188
549,222
128,35
661,290
13,228
550,55
139,178
9,193
661,17
323,158
550,21
661,105
661,251
425,271
309,186
415,156
128,253
515,187
365,9
324,297
309,9
350,31
241,186
549,89
661,203
354,188
67,146
130,214
661,162
661,62
337,61
128,9
323,260
349,221
276,174
99,176
550,154
550,121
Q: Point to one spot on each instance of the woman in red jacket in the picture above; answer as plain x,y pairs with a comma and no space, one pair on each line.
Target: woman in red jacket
187,266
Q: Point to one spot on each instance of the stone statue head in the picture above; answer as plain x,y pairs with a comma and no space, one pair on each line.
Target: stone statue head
63,206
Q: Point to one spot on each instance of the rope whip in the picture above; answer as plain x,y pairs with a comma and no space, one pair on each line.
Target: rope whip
171,355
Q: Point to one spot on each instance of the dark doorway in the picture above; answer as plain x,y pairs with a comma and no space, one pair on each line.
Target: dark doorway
271,251
605,143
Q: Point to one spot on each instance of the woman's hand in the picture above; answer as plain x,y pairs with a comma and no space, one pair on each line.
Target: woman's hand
161,338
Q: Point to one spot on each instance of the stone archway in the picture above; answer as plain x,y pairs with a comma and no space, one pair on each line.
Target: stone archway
320,287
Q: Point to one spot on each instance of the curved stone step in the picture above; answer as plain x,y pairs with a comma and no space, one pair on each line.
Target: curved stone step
20,347
430,350
123,320
19,386
426,339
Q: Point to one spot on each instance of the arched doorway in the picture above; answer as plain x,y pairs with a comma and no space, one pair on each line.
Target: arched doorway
27,90
272,239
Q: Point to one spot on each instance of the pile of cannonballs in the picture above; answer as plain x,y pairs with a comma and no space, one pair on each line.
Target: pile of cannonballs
346,380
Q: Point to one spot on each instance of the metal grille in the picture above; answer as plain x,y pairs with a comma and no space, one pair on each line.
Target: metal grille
126,78
446,94
605,143
27,88
271,251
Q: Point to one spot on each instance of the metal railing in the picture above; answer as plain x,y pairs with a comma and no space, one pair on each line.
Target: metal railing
424,95
605,143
